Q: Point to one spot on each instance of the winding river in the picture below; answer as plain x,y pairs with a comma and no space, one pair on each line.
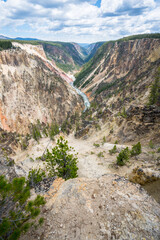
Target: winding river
83,95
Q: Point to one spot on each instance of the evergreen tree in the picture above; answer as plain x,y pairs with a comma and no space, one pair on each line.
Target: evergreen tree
61,162
16,212
154,97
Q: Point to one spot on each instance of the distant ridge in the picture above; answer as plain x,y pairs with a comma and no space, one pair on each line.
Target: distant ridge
4,37
19,38
26,39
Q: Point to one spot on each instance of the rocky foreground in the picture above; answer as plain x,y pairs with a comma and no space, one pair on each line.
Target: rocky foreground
109,207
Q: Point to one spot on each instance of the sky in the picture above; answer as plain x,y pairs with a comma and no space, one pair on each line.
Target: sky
82,21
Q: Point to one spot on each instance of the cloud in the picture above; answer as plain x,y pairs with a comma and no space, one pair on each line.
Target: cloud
78,20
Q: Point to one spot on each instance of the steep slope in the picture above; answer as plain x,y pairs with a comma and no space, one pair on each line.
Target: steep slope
67,56
33,88
112,55
92,49
118,80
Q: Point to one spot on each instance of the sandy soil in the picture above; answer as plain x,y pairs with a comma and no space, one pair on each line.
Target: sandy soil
90,164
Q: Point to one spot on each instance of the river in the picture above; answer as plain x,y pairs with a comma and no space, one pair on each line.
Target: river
83,95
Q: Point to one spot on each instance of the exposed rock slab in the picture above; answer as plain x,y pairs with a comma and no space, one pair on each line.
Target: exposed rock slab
109,207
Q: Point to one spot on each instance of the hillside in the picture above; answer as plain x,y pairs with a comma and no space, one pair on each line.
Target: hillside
33,88
67,56
89,67
70,56
92,48
118,81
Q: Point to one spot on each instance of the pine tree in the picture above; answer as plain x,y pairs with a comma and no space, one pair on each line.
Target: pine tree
154,97
16,212
61,162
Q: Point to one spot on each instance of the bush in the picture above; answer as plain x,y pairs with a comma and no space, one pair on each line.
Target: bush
35,176
60,161
158,150
151,145
96,145
54,130
35,131
16,211
123,157
100,154
123,113
113,150
154,97
136,149
104,140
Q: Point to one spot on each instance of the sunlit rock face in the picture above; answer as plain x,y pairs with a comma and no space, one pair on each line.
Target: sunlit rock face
109,207
118,79
32,88
125,68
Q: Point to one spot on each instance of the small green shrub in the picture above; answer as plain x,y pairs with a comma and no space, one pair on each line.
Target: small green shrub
151,145
35,131
123,157
100,154
98,127
158,150
116,142
104,140
154,97
111,131
136,149
96,144
123,113
35,176
53,130
113,150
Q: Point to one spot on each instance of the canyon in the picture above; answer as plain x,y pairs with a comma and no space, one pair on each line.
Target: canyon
106,201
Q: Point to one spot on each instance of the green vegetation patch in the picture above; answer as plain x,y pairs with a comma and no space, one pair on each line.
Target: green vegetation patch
113,150
154,97
61,161
17,212
123,157
5,44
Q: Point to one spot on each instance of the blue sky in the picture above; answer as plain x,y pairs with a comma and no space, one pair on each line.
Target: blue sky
78,20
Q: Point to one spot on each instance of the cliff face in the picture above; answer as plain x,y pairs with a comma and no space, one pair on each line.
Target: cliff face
67,56
32,88
118,80
121,69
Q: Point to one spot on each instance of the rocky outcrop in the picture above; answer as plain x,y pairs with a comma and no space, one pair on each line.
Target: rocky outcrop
140,122
143,176
31,88
109,207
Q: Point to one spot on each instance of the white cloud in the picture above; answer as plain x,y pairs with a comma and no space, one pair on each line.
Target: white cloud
78,20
